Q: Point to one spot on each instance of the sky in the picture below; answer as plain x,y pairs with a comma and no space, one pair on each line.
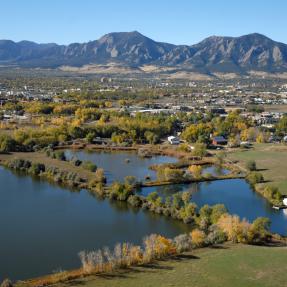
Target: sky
173,21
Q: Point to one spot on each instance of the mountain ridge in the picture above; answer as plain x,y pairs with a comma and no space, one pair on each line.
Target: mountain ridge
251,52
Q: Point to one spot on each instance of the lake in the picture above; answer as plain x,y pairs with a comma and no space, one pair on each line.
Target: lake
115,164
43,227
235,194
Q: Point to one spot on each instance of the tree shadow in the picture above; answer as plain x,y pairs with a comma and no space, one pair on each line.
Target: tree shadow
128,272
219,247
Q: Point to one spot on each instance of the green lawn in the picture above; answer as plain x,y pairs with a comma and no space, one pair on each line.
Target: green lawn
232,265
271,160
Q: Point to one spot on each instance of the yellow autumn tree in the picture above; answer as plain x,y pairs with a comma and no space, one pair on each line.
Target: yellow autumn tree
197,238
196,170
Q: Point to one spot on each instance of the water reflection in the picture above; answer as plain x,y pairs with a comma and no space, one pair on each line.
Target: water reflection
235,194
43,227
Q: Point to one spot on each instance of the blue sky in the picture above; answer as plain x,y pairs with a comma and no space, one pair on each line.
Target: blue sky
174,21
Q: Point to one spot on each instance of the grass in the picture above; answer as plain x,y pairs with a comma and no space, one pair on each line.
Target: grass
40,157
271,160
231,265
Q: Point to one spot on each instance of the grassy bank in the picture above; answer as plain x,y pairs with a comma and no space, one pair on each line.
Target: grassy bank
193,180
271,160
229,265
39,157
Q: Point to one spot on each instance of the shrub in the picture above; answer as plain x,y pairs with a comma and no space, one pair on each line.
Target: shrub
37,168
235,230
88,165
182,242
272,192
196,170
100,176
157,247
215,235
251,165
135,200
259,230
7,144
19,164
217,211
7,283
120,191
197,238
60,155
255,177
199,150
75,161
170,174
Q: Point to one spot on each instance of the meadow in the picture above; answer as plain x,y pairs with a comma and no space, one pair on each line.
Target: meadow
271,161
227,265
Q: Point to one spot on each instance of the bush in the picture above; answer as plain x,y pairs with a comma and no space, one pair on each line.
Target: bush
75,161
182,242
88,165
197,238
135,200
235,229
120,191
170,174
271,192
60,155
251,165
259,230
255,177
7,283
196,170
37,168
215,235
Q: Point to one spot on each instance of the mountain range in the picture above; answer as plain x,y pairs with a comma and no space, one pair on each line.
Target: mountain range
253,52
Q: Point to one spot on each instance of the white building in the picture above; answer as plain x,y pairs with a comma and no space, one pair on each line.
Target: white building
173,140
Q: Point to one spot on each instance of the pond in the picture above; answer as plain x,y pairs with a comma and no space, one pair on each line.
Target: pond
215,170
43,227
117,165
235,194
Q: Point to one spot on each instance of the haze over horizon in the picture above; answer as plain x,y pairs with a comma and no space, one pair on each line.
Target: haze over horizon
65,22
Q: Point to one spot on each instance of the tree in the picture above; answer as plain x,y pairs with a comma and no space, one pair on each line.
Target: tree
90,137
217,211
235,230
7,144
186,197
220,158
7,283
88,165
259,231
255,177
199,150
151,137
281,128
197,238
196,170
251,165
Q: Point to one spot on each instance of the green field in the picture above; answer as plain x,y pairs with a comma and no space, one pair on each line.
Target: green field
231,265
271,160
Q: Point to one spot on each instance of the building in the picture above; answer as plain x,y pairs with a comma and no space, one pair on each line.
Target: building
219,140
173,140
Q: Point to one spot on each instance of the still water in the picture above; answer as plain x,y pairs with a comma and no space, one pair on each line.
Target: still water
118,165
43,227
235,194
